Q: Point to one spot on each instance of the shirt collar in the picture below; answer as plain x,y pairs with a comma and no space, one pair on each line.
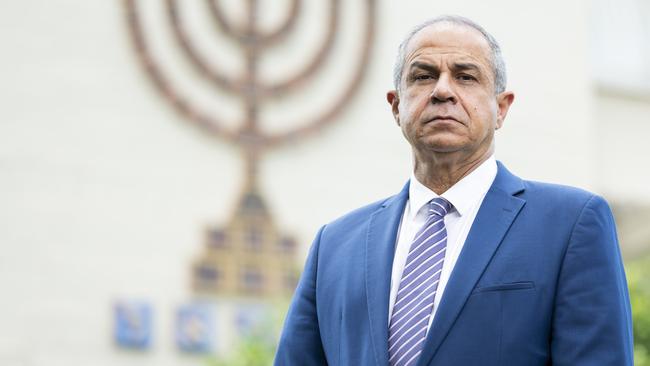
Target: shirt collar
463,195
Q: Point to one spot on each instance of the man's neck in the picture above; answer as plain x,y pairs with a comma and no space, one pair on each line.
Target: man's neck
441,174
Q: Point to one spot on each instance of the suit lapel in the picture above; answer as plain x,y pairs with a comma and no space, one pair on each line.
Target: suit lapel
380,250
496,214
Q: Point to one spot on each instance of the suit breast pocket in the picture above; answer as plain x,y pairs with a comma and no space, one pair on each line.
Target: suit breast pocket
491,316
511,286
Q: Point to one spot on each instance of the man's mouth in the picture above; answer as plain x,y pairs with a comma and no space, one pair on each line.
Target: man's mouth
442,118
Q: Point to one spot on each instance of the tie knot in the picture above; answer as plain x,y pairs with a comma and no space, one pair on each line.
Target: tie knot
439,207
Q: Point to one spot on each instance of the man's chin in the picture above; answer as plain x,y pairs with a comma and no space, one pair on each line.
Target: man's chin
443,145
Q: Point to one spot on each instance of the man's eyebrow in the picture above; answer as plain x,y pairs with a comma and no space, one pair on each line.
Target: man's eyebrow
457,66
464,66
424,66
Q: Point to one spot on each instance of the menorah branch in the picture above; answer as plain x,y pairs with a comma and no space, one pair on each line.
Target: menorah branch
164,86
263,39
219,79
315,124
317,60
249,137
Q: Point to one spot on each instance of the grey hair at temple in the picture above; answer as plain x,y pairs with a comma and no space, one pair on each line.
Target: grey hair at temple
498,64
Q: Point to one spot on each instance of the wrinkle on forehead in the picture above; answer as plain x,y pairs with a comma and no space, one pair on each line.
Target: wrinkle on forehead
457,32
455,42
435,56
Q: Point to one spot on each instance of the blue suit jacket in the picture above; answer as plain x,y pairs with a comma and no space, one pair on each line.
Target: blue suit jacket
539,282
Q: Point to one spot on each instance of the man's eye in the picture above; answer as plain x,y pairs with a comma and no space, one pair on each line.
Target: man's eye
422,77
465,77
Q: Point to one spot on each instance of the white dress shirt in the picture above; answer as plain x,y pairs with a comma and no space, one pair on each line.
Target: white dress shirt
465,197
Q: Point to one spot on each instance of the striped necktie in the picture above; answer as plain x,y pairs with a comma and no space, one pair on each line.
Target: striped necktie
417,288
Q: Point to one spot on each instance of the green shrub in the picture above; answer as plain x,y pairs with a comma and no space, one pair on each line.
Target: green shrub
638,278
250,352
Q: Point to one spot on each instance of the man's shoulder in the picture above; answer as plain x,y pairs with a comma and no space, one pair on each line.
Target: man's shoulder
533,189
553,189
359,215
553,194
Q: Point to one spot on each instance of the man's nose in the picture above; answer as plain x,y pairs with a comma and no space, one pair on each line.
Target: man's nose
443,91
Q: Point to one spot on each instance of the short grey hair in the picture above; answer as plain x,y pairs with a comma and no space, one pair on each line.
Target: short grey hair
498,64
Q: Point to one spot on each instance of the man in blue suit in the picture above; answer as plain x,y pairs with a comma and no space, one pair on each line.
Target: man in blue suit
468,264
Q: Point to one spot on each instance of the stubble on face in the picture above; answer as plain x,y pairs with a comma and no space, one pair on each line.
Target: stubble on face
447,108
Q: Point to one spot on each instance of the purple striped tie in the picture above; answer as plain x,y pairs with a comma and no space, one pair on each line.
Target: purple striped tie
417,289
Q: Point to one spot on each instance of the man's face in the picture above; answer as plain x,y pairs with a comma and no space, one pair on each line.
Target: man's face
446,101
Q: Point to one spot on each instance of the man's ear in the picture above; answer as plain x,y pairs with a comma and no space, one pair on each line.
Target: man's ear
504,101
393,99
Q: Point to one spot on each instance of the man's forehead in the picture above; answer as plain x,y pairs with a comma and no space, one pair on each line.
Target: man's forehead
449,38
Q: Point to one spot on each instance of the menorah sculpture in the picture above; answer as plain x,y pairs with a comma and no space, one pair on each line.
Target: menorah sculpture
251,224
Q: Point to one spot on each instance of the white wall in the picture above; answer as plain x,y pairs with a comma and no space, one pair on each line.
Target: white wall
105,190
623,127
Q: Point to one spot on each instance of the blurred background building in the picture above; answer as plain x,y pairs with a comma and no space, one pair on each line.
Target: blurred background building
130,231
